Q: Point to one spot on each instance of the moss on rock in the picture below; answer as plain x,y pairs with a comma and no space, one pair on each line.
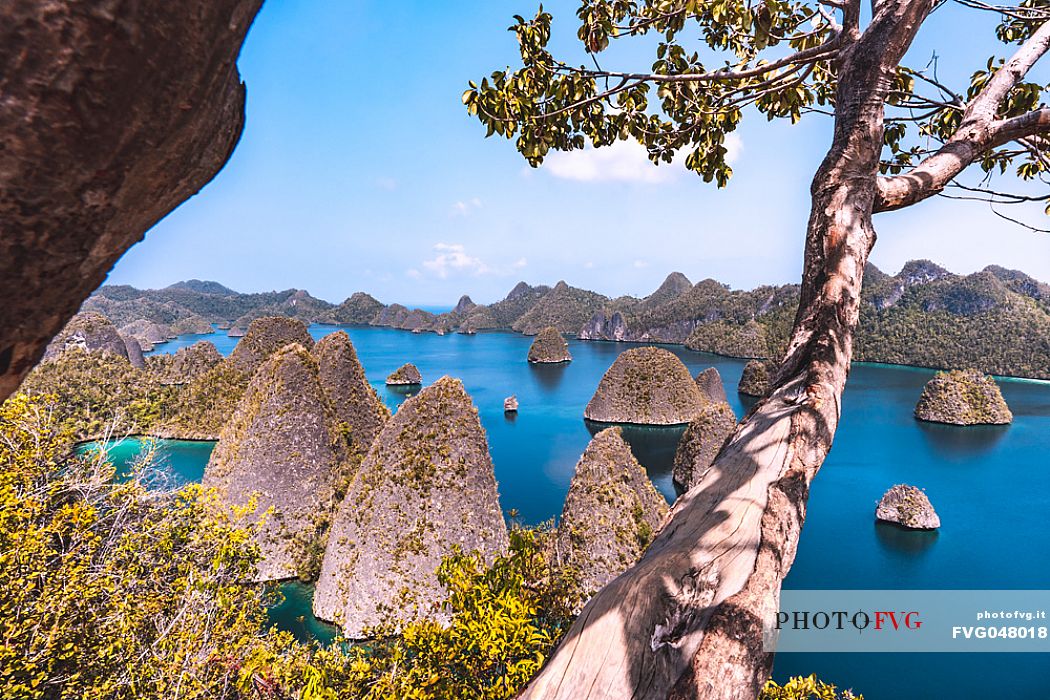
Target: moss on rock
549,347
700,444
426,488
611,513
710,384
648,386
963,397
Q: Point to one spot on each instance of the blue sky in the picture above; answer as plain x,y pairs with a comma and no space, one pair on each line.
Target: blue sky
359,169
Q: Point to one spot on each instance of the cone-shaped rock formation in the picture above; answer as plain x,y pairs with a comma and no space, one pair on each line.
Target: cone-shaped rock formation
549,347
963,397
648,386
426,486
700,444
356,404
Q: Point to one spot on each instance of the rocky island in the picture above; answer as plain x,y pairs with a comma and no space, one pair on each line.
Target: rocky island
710,384
700,444
754,381
963,397
405,375
283,447
647,386
908,507
611,513
426,486
549,347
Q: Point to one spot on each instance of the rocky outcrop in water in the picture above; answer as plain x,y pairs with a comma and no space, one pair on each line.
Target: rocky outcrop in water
549,347
235,332
191,325
356,404
648,386
963,397
700,444
405,375
710,384
510,404
91,332
147,333
264,337
283,445
754,381
426,486
611,512
908,507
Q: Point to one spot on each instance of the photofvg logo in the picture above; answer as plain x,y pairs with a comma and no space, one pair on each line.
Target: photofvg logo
910,621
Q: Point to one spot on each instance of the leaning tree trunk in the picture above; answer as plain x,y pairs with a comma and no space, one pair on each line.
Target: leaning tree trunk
686,621
113,112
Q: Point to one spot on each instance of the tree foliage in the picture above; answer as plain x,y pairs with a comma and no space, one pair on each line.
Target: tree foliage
714,59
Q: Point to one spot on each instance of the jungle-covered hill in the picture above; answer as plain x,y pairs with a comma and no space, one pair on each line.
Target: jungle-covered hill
995,320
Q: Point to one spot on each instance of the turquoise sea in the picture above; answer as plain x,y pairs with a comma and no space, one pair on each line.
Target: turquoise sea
991,487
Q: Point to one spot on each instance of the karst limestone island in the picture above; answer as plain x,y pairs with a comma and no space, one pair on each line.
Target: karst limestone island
646,386
907,507
611,513
963,397
549,347
407,375
426,486
923,315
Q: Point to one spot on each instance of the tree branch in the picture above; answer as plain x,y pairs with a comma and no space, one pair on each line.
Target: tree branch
978,133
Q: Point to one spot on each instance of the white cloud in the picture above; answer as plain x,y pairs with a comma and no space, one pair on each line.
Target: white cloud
453,258
640,264
465,207
624,161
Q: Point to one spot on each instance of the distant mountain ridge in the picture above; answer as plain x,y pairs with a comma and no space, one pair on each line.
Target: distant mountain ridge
996,320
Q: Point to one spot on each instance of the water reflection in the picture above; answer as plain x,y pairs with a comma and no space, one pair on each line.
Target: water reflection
548,376
896,539
961,441
653,446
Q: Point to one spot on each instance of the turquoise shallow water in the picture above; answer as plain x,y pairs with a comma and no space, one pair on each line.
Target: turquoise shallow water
991,487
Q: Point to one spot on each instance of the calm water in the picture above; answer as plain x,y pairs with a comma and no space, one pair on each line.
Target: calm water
991,487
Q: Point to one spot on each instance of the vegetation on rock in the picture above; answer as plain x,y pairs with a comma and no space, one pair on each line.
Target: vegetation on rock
754,381
426,486
710,384
963,397
646,386
405,375
549,347
909,507
611,512
700,444
264,337
357,406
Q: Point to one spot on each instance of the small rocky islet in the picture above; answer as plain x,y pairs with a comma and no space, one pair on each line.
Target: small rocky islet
963,397
700,444
755,379
549,347
406,375
646,386
908,507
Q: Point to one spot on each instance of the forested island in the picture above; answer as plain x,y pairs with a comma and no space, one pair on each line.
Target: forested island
995,320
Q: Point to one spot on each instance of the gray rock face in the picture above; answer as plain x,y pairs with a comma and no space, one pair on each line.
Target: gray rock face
426,486
963,397
700,444
356,404
235,332
186,364
134,351
602,327
755,379
283,445
265,336
91,332
908,507
549,347
648,386
405,375
710,384
611,512
464,305
147,331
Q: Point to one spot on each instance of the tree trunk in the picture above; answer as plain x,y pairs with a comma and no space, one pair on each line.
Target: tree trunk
113,113
686,621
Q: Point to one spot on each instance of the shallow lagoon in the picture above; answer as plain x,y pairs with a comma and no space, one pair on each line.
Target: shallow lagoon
991,487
